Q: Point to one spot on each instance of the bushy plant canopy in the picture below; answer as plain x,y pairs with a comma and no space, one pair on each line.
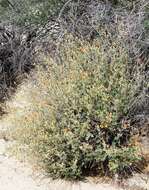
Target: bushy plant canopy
80,114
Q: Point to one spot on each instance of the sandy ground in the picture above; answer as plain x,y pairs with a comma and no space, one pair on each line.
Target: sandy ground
15,175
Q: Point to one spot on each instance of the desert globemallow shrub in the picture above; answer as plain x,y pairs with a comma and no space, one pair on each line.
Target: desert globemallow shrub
78,124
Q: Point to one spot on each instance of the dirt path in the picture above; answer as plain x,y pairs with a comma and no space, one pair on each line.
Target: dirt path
16,176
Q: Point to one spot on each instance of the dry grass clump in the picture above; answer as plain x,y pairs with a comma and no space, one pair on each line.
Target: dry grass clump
79,123
16,59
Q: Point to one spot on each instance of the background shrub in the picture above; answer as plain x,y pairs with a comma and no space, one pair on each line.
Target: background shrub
16,59
79,123
29,11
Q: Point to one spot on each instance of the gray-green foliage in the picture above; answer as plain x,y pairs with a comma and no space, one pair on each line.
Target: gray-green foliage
77,126
29,11
38,11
